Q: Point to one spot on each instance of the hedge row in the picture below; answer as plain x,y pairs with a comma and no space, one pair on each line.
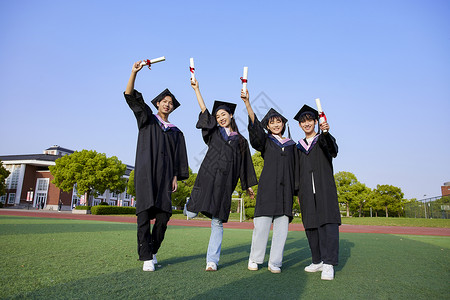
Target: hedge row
113,210
83,207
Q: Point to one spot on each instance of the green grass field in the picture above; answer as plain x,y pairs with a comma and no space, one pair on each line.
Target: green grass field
72,259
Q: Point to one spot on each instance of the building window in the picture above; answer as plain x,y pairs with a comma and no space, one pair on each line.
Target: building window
11,198
42,185
3,199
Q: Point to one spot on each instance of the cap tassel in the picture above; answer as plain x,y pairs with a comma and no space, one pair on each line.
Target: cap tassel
289,131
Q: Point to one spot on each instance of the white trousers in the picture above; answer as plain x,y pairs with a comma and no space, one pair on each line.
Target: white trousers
261,236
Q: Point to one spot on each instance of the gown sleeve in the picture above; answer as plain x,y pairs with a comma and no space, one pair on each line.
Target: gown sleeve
140,109
247,174
257,135
181,168
328,144
207,124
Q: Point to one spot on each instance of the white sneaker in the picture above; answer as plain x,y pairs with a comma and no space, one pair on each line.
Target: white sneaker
274,269
252,266
210,266
155,261
148,266
314,267
327,272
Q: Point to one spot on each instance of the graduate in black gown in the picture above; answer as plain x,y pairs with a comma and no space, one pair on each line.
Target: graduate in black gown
317,192
227,160
276,186
161,160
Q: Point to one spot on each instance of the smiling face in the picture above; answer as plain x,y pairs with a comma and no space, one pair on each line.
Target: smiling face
165,106
276,125
223,118
308,126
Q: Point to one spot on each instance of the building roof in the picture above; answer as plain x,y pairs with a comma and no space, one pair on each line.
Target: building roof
56,147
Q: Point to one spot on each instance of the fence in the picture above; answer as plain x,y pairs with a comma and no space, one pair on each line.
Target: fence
430,208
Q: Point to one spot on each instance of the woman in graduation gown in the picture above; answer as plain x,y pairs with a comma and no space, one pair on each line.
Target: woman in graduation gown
161,160
227,160
276,186
317,192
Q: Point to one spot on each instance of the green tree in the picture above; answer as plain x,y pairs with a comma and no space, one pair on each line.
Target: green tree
349,189
3,175
389,197
184,190
92,172
130,185
362,197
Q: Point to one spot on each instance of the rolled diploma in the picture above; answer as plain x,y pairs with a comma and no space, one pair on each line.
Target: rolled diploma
244,84
319,109
152,61
191,64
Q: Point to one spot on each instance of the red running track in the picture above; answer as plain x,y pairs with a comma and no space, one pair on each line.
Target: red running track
236,225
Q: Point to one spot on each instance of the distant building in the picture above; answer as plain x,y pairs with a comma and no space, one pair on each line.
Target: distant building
445,189
29,183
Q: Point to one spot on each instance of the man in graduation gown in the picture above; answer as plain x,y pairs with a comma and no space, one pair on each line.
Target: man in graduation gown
317,192
161,160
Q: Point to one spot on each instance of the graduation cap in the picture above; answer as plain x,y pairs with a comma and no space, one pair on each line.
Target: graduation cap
270,114
163,94
306,110
229,107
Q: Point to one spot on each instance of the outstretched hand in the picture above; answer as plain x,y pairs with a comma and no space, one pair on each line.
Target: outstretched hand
245,96
194,84
137,66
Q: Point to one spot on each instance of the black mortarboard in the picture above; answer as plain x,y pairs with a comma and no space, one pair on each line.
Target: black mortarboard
229,107
272,113
304,110
163,94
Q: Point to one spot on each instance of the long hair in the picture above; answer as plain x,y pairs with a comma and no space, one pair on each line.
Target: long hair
242,142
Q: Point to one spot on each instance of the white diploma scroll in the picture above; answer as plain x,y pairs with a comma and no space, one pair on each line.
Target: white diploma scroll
152,61
322,117
191,68
244,79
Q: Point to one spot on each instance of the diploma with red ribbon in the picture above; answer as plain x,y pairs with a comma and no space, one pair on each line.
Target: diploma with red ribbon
322,117
244,79
191,68
149,62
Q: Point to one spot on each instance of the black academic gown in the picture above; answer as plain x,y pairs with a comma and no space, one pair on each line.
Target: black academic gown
276,184
222,167
323,208
160,155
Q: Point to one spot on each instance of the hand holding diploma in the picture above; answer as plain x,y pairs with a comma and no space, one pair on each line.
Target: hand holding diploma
322,117
245,95
149,62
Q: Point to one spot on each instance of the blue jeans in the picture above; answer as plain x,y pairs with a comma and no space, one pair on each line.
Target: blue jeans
215,241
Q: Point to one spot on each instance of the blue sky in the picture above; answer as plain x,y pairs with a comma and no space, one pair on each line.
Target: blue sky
381,69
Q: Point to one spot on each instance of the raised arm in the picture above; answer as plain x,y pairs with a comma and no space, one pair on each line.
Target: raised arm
130,86
245,97
201,103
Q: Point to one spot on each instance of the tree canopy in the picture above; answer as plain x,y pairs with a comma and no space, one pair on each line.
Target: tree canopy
91,172
3,175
